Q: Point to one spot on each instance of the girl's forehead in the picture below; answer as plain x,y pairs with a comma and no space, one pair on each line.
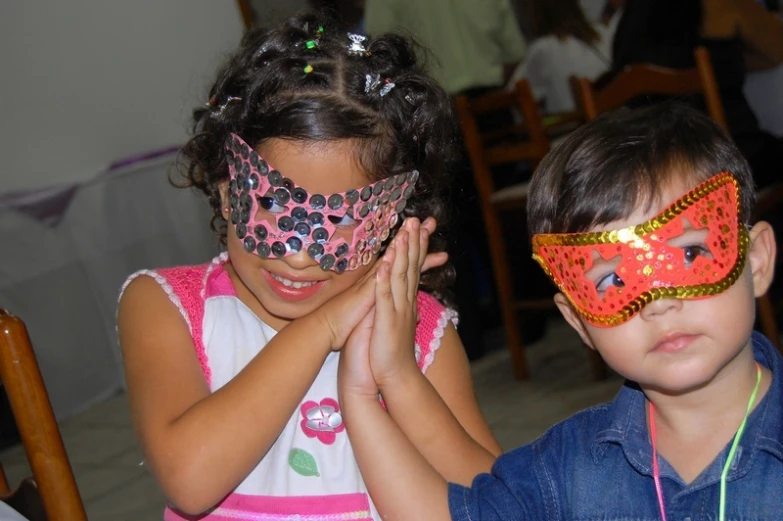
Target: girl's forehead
318,167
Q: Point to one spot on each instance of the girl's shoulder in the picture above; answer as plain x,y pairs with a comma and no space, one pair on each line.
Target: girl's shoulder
433,319
187,284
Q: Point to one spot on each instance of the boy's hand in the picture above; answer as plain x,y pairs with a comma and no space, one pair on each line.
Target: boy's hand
355,376
392,342
344,311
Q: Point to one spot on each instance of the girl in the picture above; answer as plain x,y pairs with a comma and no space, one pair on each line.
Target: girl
312,148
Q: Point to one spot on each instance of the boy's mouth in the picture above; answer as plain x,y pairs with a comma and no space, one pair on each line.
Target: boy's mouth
674,342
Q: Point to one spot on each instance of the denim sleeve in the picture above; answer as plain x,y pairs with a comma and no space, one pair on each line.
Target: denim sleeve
510,492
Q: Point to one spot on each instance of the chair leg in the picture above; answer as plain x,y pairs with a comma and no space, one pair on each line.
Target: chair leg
767,318
4,488
505,291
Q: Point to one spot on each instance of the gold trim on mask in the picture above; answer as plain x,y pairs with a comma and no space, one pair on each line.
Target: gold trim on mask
633,233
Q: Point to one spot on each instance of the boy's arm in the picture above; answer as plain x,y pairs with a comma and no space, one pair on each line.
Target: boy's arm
440,416
405,487
402,484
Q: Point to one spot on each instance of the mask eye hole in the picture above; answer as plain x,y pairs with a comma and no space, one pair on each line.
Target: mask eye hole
603,274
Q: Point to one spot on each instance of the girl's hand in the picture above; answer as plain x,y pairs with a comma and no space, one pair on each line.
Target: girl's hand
394,329
344,312
355,376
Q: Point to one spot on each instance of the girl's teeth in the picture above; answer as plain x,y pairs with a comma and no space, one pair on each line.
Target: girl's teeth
290,283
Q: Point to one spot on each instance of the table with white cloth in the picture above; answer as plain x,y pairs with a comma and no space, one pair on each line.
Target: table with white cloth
9,514
764,90
67,250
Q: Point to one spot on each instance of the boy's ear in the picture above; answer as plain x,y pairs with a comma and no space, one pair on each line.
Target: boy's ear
572,317
761,256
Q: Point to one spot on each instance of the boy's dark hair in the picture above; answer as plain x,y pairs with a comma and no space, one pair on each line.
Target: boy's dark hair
605,169
300,82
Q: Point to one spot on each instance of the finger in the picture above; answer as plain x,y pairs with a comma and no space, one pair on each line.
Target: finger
399,274
384,301
366,295
374,268
424,244
433,260
430,224
414,248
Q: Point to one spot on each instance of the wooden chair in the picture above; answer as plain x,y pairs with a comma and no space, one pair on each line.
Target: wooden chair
639,80
247,12
492,148
52,489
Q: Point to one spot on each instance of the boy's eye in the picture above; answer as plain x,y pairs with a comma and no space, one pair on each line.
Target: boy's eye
694,250
604,283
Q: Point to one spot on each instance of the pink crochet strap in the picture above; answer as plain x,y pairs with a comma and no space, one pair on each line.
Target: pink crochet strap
433,319
187,284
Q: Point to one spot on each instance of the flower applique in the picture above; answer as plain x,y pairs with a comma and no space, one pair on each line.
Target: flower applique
322,420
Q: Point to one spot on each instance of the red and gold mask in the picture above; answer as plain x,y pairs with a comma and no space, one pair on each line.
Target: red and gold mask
649,264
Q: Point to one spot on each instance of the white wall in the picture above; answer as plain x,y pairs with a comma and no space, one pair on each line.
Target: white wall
88,82
273,11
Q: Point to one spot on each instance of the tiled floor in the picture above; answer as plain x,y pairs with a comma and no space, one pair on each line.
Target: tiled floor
116,487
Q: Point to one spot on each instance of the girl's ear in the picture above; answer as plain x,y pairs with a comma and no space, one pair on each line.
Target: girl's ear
225,207
761,256
573,319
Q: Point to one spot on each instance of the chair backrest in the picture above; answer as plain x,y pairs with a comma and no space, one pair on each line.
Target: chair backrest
43,444
520,141
247,12
643,79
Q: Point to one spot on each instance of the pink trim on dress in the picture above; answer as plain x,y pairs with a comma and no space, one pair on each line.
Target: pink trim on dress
187,282
217,282
433,319
240,507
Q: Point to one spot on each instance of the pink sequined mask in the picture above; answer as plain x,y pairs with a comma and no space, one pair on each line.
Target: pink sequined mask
341,231
665,257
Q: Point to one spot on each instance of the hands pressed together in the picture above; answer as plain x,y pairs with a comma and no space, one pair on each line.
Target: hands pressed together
374,323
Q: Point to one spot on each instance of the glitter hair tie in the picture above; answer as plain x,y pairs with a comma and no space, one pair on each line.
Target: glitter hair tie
356,47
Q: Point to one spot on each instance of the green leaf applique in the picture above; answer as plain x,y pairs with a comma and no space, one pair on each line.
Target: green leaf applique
303,463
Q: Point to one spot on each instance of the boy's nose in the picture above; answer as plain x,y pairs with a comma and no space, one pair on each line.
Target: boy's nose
660,307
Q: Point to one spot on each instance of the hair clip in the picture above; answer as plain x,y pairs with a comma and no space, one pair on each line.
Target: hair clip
387,87
371,82
356,47
308,69
213,102
409,98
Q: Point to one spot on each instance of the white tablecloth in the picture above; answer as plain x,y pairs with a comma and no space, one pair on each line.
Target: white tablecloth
9,514
62,277
764,90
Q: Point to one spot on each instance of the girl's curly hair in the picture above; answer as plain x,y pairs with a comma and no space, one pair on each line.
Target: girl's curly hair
300,82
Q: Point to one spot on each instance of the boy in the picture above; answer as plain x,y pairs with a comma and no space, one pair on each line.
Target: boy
639,217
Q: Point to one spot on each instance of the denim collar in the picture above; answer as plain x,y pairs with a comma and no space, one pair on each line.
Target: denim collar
627,426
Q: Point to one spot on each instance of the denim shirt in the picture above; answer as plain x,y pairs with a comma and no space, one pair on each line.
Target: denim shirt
597,465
